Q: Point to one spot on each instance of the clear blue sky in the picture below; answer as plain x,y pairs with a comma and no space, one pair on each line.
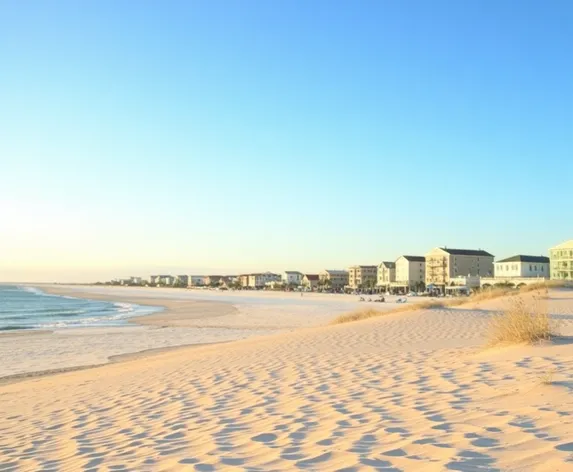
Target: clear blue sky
250,135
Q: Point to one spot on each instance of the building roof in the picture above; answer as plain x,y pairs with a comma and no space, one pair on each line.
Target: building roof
415,258
388,264
336,272
311,276
565,245
292,272
522,258
466,252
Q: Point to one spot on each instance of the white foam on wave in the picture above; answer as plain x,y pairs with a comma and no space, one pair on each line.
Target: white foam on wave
126,310
39,292
33,290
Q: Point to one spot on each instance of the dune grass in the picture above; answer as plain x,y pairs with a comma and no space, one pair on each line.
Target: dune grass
482,295
368,312
522,323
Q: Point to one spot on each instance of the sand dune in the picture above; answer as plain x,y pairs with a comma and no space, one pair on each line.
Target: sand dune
411,391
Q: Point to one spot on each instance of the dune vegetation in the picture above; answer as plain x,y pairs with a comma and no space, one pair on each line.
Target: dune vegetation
522,323
479,296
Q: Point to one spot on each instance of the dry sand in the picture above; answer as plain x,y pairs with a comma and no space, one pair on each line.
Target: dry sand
410,391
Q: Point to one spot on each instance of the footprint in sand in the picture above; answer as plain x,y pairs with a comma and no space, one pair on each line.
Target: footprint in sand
264,437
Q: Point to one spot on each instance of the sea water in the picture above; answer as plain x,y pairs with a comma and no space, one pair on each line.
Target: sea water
24,307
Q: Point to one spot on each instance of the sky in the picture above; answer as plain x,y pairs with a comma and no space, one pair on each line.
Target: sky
234,136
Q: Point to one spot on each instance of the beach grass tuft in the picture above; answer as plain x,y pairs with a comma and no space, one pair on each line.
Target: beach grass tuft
482,295
522,323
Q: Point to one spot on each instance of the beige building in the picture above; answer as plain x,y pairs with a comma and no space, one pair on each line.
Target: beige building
386,274
337,279
362,276
562,261
244,280
443,264
261,279
411,272
310,281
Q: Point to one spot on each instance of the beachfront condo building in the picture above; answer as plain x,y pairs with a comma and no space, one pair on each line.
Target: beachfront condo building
443,264
362,276
258,280
333,279
522,266
562,261
212,280
310,281
181,280
386,274
410,272
165,280
292,277
196,280
244,280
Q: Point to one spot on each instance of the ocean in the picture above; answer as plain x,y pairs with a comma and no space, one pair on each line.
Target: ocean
31,308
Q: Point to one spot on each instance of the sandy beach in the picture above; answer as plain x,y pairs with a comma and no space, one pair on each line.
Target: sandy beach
408,391
188,318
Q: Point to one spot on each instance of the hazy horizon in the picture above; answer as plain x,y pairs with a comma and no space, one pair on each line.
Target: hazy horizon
249,136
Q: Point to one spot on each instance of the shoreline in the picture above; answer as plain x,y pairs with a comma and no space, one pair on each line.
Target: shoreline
186,319
32,353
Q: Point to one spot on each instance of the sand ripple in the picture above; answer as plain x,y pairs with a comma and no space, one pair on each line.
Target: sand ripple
406,392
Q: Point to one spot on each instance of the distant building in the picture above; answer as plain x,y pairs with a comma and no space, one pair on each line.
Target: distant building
292,277
153,279
182,280
212,280
228,281
136,280
337,279
362,276
443,264
165,280
411,272
562,261
522,266
196,280
244,280
386,274
463,285
310,281
259,280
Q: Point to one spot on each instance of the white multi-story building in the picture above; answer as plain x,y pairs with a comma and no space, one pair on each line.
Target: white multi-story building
411,272
260,280
386,274
165,280
522,266
292,277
